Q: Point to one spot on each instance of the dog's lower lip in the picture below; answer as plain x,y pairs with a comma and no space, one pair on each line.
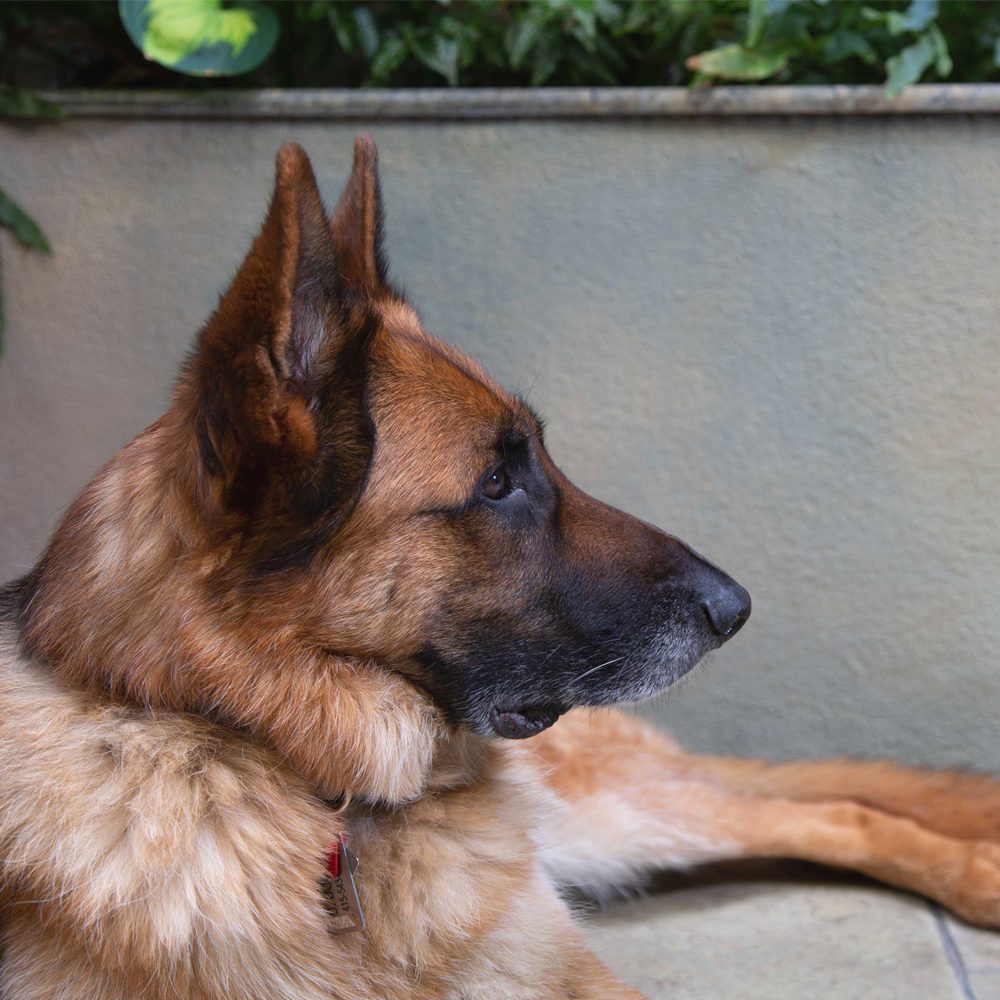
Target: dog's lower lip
524,722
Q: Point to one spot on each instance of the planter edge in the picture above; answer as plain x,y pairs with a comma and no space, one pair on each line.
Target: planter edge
531,103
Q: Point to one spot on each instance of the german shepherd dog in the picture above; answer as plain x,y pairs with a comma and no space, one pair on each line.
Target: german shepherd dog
279,703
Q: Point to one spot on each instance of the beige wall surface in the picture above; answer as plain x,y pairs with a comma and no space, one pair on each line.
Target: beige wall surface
776,338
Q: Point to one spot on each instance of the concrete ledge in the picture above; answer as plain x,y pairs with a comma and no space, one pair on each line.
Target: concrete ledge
529,103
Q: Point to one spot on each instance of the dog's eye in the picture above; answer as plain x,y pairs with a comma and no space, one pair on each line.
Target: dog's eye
497,484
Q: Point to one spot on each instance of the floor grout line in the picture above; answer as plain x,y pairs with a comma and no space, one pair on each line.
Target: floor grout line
951,950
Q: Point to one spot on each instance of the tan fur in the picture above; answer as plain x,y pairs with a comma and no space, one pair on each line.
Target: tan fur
160,856
177,702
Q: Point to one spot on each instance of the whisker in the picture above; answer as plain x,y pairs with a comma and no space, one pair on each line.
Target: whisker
553,653
600,666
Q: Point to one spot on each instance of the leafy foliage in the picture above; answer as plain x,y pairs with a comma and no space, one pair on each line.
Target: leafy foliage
201,37
20,104
479,43
14,218
787,38
16,103
406,43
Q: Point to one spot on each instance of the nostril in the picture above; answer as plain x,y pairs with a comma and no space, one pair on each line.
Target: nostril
728,610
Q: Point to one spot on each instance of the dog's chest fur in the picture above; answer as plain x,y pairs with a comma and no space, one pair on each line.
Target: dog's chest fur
193,849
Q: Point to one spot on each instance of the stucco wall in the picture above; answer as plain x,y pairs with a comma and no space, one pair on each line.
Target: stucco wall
775,337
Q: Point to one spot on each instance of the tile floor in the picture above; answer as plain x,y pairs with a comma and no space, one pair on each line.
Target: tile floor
792,932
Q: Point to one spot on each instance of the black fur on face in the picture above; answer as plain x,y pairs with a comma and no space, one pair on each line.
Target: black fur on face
565,601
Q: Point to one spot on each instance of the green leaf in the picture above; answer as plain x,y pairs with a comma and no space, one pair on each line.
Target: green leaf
735,62
545,63
389,58
635,19
875,15
438,53
22,225
343,27
16,103
608,12
367,31
996,52
756,22
942,57
20,104
200,37
915,18
176,28
585,18
908,66
843,45
444,59
523,39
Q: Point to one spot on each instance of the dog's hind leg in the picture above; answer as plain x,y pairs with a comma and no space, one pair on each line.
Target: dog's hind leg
630,802
953,803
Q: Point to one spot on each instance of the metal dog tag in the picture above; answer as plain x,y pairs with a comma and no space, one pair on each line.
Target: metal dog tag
339,891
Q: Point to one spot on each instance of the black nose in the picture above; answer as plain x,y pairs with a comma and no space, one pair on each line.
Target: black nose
727,607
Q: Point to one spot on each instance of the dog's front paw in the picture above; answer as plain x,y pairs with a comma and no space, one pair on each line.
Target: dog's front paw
397,744
358,730
977,897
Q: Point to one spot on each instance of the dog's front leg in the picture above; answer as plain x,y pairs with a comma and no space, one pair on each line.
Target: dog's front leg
583,976
630,803
593,981
350,727
540,962
590,980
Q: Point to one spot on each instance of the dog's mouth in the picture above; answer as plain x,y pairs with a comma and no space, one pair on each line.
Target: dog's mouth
529,720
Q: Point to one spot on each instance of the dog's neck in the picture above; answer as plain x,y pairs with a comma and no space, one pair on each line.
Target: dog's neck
461,759
172,638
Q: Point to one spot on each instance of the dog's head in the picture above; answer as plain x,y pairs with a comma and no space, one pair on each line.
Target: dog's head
336,476
409,502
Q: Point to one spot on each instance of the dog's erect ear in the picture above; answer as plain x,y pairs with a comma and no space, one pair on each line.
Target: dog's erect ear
282,296
357,224
279,368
